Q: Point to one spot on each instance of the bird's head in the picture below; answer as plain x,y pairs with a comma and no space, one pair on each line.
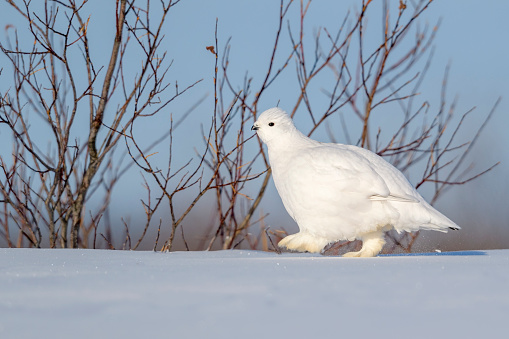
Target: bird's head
273,123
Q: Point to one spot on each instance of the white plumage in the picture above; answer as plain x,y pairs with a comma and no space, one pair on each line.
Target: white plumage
340,192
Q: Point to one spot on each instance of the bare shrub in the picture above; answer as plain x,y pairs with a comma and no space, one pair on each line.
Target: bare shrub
73,120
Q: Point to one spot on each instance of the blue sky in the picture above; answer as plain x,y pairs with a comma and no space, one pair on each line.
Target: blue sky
471,39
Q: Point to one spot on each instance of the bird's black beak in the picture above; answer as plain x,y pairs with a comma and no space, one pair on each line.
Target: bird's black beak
254,128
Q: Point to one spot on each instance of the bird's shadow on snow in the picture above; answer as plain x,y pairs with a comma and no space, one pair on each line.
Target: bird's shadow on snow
435,254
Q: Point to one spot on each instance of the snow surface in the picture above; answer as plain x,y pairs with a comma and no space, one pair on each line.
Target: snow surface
251,294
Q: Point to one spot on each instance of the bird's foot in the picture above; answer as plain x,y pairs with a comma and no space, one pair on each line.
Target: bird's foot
303,242
372,244
353,254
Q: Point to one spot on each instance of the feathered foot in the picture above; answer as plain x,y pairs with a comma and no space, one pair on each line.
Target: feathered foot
303,242
372,244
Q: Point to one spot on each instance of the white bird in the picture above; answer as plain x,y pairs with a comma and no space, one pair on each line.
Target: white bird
340,192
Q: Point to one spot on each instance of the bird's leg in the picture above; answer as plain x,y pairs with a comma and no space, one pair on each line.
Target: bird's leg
372,244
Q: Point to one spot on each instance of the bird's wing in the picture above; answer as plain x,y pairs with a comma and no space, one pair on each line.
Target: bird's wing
392,197
354,173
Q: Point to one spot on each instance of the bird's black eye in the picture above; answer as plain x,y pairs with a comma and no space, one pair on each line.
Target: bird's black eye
271,124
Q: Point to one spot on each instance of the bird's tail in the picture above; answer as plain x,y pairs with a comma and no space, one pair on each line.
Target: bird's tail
438,221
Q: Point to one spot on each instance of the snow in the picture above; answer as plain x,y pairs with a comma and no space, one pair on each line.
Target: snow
251,294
